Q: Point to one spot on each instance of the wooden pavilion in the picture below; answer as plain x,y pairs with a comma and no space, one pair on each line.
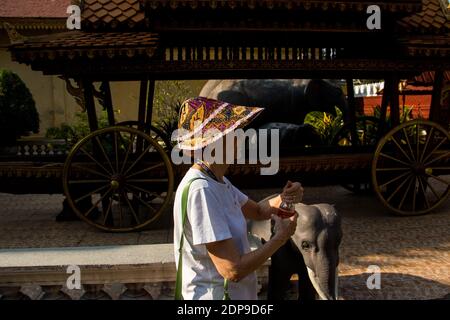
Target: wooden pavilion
198,39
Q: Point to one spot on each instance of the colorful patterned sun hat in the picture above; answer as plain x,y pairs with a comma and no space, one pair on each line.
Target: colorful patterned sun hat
203,121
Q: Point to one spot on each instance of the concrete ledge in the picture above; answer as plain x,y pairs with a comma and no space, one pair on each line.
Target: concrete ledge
84,256
98,265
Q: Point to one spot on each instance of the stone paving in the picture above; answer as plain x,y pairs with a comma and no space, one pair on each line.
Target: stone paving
413,253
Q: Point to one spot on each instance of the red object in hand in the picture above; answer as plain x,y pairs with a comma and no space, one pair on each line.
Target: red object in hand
284,214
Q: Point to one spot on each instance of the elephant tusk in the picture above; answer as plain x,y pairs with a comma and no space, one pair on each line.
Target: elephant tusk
313,278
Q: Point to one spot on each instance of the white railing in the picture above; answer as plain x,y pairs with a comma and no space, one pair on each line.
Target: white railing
32,147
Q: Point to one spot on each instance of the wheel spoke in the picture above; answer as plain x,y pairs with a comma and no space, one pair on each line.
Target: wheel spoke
116,151
143,190
148,180
401,149
409,144
88,181
406,192
147,169
90,170
97,202
142,201
131,208
138,159
120,211
104,153
417,142
414,193
435,148
392,169
93,159
424,193
438,158
395,179
130,146
426,144
394,159
107,211
90,193
396,190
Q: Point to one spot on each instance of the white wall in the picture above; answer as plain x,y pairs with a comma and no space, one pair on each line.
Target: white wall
53,102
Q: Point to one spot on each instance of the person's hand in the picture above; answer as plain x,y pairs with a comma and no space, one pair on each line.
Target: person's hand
284,228
292,192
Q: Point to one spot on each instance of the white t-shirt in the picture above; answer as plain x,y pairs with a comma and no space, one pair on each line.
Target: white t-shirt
213,214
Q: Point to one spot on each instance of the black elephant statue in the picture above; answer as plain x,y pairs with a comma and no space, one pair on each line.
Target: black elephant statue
312,253
290,135
285,101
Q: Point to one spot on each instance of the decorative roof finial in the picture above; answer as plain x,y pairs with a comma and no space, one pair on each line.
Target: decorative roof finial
14,36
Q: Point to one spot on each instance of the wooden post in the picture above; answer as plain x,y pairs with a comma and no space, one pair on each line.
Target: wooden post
108,102
88,92
352,111
395,109
141,112
150,96
383,107
142,102
436,96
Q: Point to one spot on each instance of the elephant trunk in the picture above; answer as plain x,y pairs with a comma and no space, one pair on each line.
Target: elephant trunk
325,279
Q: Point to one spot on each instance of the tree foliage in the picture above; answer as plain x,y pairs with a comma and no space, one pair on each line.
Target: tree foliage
18,114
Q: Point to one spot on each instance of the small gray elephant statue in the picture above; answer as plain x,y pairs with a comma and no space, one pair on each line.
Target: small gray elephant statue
312,253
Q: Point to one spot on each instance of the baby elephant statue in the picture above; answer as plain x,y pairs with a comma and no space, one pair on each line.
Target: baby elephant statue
312,253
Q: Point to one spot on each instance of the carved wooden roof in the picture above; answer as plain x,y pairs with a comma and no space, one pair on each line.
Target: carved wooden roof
34,14
433,18
392,5
122,29
112,13
34,8
131,13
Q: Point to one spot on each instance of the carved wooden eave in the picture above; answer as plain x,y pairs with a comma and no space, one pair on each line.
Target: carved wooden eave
429,46
85,45
76,91
35,24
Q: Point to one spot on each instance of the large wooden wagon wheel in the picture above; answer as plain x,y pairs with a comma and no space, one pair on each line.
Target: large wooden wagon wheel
152,131
411,167
126,184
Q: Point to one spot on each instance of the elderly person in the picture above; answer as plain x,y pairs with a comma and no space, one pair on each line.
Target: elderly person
214,260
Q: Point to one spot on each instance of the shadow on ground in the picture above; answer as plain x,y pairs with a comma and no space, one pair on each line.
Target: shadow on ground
394,286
